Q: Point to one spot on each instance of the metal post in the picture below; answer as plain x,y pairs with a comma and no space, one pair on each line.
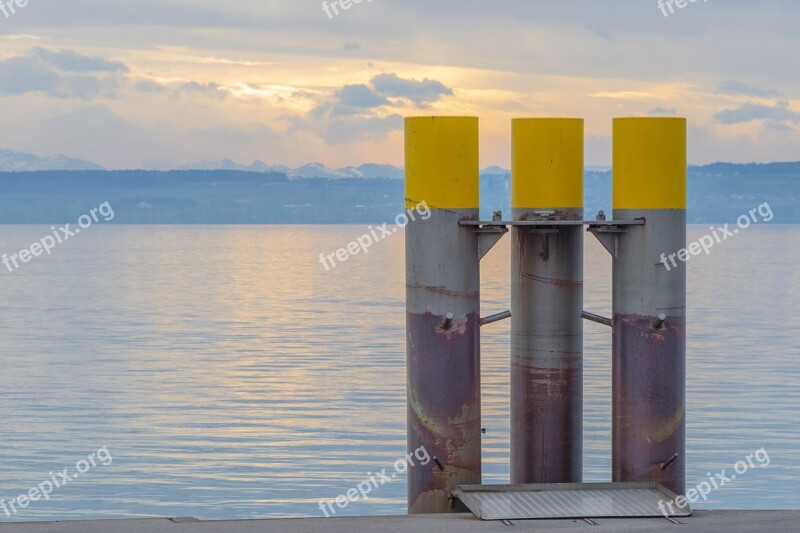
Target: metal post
649,339
442,305
546,302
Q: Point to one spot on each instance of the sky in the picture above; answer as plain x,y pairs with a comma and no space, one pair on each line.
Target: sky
168,83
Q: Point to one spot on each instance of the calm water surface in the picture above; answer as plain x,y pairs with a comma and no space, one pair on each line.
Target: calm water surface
230,376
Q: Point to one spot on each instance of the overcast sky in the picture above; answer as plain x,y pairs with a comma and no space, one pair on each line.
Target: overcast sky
162,83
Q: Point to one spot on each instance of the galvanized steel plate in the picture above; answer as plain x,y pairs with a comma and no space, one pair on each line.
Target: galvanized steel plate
569,500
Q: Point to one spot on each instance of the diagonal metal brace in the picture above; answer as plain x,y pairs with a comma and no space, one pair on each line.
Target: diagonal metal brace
608,237
488,237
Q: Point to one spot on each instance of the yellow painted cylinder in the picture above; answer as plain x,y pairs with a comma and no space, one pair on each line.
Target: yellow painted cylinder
441,159
547,163
649,163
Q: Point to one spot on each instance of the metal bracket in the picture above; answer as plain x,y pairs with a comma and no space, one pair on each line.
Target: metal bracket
488,237
491,231
542,235
485,224
608,237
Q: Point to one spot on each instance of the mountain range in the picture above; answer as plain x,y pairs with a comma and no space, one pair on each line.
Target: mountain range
13,161
58,189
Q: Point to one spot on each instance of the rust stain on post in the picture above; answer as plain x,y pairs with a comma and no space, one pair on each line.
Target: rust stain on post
648,407
544,406
444,407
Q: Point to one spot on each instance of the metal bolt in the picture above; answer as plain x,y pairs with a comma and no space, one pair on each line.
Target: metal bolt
448,321
666,464
658,324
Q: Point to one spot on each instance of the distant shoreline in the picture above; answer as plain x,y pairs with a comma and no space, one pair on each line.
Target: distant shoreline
716,193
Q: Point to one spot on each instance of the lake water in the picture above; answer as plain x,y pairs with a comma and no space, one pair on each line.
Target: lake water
230,376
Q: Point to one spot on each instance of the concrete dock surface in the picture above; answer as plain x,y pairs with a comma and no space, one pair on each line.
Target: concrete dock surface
706,521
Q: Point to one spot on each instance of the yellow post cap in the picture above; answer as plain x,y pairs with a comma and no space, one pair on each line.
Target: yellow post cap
442,166
547,163
649,163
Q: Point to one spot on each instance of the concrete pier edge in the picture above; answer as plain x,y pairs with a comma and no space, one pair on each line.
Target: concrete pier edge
706,521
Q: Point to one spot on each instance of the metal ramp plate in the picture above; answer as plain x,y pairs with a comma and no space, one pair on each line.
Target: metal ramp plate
569,500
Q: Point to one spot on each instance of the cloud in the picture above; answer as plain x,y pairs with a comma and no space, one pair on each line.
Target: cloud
750,112
553,55
256,134
20,75
68,74
63,74
739,88
96,118
360,97
625,95
148,86
211,90
71,61
95,132
361,112
663,111
336,127
601,32
421,93
190,90
771,126
384,90
344,130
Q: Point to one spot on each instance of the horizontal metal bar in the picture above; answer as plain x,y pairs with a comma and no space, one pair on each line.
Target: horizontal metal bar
597,318
495,318
595,223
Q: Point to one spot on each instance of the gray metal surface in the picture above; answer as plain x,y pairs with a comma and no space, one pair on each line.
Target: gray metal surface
569,500
442,278
547,350
649,362
553,222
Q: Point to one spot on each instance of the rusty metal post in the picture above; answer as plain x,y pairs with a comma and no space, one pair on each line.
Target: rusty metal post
442,306
649,339
546,302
